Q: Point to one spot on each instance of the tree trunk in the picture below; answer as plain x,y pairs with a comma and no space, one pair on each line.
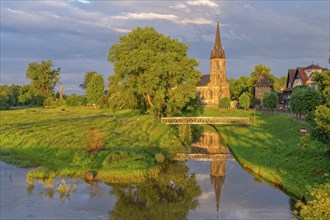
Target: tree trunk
149,100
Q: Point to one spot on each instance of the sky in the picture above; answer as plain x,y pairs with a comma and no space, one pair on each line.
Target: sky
76,34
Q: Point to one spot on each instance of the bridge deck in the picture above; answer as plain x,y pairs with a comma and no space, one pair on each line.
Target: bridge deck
205,120
203,157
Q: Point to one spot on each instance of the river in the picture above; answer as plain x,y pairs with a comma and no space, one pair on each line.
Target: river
199,188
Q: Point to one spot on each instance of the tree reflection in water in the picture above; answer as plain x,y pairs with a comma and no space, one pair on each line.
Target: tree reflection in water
170,196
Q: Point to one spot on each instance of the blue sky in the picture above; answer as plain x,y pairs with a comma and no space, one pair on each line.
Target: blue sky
76,34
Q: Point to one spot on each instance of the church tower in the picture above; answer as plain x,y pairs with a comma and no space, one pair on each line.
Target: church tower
214,86
218,80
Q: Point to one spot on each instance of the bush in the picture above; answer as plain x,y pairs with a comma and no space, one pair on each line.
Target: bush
160,158
51,102
4,102
95,140
224,102
244,100
76,100
304,99
320,122
269,101
318,208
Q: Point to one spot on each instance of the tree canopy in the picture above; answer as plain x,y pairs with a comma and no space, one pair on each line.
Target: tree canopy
304,99
244,100
322,80
95,89
155,70
269,100
43,78
88,77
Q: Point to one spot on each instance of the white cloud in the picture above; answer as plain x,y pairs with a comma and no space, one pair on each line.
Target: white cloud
179,6
156,16
121,30
207,3
145,16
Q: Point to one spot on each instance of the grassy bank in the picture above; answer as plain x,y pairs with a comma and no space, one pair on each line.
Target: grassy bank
274,149
55,141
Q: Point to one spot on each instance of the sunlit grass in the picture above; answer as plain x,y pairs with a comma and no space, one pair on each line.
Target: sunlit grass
273,148
57,140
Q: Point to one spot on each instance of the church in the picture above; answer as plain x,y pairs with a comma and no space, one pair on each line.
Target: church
214,86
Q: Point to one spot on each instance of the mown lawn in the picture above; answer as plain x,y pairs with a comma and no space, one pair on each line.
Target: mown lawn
55,141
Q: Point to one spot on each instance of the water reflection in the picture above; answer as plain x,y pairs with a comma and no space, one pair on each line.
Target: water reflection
171,196
212,143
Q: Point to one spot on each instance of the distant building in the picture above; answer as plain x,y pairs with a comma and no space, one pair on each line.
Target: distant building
262,86
297,77
214,86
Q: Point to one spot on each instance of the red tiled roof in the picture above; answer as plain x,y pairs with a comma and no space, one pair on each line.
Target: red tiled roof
291,74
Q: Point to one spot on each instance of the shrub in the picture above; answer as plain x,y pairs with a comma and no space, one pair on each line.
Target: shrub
320,122
94,140
304,99
4,102
76,100
51,102
244,100
269,101
224,102
160,158
318,208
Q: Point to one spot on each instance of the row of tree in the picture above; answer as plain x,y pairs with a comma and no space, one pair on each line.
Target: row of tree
245,84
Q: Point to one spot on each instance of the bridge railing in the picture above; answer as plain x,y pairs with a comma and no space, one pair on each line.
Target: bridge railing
205,120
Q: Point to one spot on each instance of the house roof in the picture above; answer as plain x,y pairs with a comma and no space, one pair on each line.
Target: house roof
301,71
290,78
313,66
263,80
204,80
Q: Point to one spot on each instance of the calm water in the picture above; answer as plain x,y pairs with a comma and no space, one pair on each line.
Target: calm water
218,189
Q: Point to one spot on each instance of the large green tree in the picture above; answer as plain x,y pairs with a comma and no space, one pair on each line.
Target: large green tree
322,80
43,78
239,86
88,77
95,89
155,70
304,99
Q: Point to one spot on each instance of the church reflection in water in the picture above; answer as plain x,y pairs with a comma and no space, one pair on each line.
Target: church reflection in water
212,143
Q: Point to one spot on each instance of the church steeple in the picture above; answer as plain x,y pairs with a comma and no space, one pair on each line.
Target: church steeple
217,51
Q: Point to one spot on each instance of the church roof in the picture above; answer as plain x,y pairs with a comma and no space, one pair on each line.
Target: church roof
263,80
204,80
217,51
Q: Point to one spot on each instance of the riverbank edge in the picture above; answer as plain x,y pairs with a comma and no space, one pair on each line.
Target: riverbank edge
256,171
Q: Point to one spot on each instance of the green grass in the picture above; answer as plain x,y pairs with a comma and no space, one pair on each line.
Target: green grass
274,149
56,141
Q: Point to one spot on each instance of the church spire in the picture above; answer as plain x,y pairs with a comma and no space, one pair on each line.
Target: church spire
217,51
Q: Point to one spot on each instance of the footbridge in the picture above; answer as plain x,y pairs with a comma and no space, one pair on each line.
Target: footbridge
204,120
203,157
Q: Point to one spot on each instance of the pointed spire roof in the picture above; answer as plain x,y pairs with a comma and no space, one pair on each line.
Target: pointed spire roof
217,51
